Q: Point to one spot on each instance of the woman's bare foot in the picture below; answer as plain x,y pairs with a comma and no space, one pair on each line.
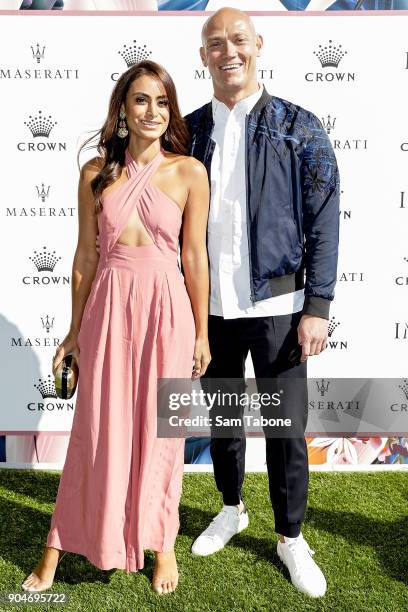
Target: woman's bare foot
43,575
165,574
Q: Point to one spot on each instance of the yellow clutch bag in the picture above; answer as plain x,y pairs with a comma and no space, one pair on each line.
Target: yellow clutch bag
66,377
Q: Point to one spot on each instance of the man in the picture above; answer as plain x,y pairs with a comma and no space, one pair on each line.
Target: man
274,219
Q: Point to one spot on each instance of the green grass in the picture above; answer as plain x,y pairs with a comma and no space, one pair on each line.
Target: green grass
356,523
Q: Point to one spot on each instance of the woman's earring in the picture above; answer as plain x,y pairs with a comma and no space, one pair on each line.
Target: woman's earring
122,131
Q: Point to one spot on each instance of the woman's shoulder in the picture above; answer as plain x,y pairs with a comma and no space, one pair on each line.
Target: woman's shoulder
91,168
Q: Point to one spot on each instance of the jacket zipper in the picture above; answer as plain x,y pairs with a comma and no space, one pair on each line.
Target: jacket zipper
252,294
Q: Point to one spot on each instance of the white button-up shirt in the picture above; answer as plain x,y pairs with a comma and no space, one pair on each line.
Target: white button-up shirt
227,222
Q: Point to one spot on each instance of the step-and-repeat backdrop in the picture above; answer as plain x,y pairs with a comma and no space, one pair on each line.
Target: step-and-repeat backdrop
56,76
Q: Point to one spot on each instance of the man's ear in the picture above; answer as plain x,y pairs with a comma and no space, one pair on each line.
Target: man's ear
203,57
259,44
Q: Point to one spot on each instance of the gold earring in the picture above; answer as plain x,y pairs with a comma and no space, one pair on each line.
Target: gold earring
122,131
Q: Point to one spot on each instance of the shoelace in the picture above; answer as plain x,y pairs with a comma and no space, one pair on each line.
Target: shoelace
301,551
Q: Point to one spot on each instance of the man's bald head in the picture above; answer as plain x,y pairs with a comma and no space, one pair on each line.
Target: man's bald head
225,14
230,47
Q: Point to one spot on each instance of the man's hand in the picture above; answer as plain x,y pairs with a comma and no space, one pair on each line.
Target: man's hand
312,335
98,248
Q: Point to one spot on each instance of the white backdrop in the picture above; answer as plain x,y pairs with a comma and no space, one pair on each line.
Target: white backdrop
65,66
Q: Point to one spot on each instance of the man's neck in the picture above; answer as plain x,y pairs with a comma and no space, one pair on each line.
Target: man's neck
231,98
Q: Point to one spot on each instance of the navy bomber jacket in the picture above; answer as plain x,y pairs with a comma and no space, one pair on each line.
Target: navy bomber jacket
292,193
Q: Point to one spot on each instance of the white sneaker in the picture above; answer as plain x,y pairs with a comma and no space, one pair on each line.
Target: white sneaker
226,524
305,574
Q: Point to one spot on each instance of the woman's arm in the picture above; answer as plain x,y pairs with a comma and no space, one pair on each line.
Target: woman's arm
194,257
85,260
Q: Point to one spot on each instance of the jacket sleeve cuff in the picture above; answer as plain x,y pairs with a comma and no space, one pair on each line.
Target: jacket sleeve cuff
316,306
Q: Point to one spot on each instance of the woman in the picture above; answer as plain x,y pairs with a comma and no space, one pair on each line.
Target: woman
133,320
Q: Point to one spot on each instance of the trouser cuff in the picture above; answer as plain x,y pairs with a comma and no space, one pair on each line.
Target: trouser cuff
232,499
290,530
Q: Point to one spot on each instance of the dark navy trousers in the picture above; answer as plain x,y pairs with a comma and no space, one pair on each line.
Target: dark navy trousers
270,340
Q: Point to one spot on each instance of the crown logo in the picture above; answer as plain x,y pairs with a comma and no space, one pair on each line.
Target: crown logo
134,54
329,123
37,54
46,388
47,324
323,386
43,192
330,55
404,388
45,262
40,126
332,326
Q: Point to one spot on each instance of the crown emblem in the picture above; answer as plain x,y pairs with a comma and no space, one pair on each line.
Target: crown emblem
329,123
404,388
323,386
332,326
40,126
37,54
45,261
134,53
46,388
330,55
43,192
47,324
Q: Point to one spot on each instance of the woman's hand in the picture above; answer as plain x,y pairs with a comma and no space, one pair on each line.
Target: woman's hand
202,357
68,345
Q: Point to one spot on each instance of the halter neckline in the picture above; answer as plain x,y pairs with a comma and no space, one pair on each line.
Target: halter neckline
131,160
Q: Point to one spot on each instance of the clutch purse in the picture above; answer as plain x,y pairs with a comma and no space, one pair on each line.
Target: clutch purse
66,377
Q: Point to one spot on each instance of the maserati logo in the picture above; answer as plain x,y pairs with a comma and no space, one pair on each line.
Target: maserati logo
38,54
347,144
43,192
47,323
322,386
328,123
53,73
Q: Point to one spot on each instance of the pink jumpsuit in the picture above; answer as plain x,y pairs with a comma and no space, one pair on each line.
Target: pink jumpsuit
120,487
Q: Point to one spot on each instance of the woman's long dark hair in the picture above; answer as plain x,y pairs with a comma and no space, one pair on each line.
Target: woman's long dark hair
112,148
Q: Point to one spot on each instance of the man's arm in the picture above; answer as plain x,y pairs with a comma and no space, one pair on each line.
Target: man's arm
321,194
320,204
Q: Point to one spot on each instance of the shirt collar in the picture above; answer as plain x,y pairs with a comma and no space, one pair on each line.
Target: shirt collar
243,106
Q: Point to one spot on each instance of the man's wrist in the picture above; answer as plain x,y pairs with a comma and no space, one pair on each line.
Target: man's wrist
316,306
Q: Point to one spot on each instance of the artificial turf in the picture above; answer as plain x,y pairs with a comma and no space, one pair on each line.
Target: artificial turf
356,522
